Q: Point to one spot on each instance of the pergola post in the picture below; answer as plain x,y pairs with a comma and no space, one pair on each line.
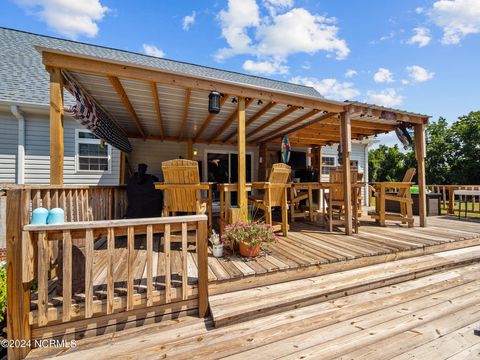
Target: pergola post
242,162
56,127
420,154
190,149
346,144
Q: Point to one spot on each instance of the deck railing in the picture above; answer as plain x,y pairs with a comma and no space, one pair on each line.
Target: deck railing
448,199
141,288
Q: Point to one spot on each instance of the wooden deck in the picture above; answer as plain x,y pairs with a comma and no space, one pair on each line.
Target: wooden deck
431,317
309,250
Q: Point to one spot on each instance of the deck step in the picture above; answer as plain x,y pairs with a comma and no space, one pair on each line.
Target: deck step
260,301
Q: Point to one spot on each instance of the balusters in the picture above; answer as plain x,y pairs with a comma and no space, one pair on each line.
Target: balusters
67,275
166,249
149,265
43,269
131,259
184,261
110,280
89,273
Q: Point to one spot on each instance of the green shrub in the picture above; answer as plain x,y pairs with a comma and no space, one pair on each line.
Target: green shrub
3,291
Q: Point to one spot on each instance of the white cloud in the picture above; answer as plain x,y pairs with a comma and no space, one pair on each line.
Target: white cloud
388,97
330,88
419,10
152,50
418,74
68,18
350,73
277,5
265,67
383,75
306,65
457,18
273,35
188,21
299,31
235,21
422,37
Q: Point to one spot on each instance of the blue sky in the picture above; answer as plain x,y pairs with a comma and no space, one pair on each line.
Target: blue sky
417,55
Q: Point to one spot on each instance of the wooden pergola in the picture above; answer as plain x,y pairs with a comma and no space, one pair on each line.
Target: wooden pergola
150,103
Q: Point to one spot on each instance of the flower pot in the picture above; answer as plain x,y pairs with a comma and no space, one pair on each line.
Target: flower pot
249,251
218,250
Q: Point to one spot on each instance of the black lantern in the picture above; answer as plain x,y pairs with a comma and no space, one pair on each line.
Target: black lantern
214,102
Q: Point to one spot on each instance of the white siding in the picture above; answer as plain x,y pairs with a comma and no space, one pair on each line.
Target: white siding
8,147
37,158
358,154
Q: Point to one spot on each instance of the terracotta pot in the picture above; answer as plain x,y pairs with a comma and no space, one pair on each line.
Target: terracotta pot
249,251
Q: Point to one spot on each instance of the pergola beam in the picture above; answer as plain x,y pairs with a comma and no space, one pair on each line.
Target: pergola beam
128,71
286,126
156,103
209,119
229,121
117,85
186,110
255,117
302,126
275,119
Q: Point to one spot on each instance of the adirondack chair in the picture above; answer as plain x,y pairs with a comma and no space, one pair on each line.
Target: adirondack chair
403,196
275,194
336,205
182,189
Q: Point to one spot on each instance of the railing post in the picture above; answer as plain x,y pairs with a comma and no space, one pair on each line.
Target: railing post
18,299
202,253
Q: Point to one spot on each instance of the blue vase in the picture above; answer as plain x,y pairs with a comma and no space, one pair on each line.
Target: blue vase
56,216
39,216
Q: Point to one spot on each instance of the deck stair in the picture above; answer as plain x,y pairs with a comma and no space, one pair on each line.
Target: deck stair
261,301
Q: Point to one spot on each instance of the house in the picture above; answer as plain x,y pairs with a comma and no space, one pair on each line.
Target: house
24,119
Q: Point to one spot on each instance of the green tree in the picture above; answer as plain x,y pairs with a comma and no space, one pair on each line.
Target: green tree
439,152
386,163
465,162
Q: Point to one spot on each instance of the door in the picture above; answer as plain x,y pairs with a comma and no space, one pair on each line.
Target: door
222,168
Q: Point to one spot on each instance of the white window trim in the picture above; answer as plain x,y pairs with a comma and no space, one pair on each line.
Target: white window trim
334,157
90,141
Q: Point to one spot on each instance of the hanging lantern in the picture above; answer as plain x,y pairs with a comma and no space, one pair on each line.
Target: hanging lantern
214,102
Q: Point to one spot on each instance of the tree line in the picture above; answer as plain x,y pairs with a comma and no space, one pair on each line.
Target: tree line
453,154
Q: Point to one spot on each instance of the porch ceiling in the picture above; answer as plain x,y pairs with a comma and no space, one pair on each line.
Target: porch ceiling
152,104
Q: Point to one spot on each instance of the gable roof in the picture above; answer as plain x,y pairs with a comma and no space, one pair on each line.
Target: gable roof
25,80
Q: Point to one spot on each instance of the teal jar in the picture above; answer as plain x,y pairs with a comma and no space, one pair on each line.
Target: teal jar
39,216
56,216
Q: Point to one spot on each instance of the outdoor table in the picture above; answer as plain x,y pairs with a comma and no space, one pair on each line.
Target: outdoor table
225,190
464,194
309,187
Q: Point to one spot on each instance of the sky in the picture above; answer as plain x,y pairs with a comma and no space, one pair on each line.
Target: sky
417,55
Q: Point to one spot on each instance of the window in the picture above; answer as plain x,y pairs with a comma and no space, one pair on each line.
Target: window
328,162
91,155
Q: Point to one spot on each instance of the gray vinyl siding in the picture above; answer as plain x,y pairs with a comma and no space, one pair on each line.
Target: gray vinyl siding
37,158
8,148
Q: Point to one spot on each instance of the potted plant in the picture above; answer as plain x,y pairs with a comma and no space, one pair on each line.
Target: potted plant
249,236
217,244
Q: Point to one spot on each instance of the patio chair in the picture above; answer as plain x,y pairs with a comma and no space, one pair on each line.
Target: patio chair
182,189
275,195
402,196
336,205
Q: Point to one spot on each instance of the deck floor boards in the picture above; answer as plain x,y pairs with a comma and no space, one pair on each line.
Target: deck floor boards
429,317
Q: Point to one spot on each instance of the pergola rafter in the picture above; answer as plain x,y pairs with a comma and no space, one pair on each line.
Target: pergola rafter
209,119
117,85
229,121
186,110
156,104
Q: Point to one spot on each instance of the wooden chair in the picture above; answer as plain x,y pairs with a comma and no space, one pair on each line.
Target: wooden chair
182,189
402,196
336,205
275,194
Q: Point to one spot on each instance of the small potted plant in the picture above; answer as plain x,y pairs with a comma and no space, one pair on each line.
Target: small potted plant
217,244
249,236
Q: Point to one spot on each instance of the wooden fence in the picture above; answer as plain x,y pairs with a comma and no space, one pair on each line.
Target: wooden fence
116,285
448,198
